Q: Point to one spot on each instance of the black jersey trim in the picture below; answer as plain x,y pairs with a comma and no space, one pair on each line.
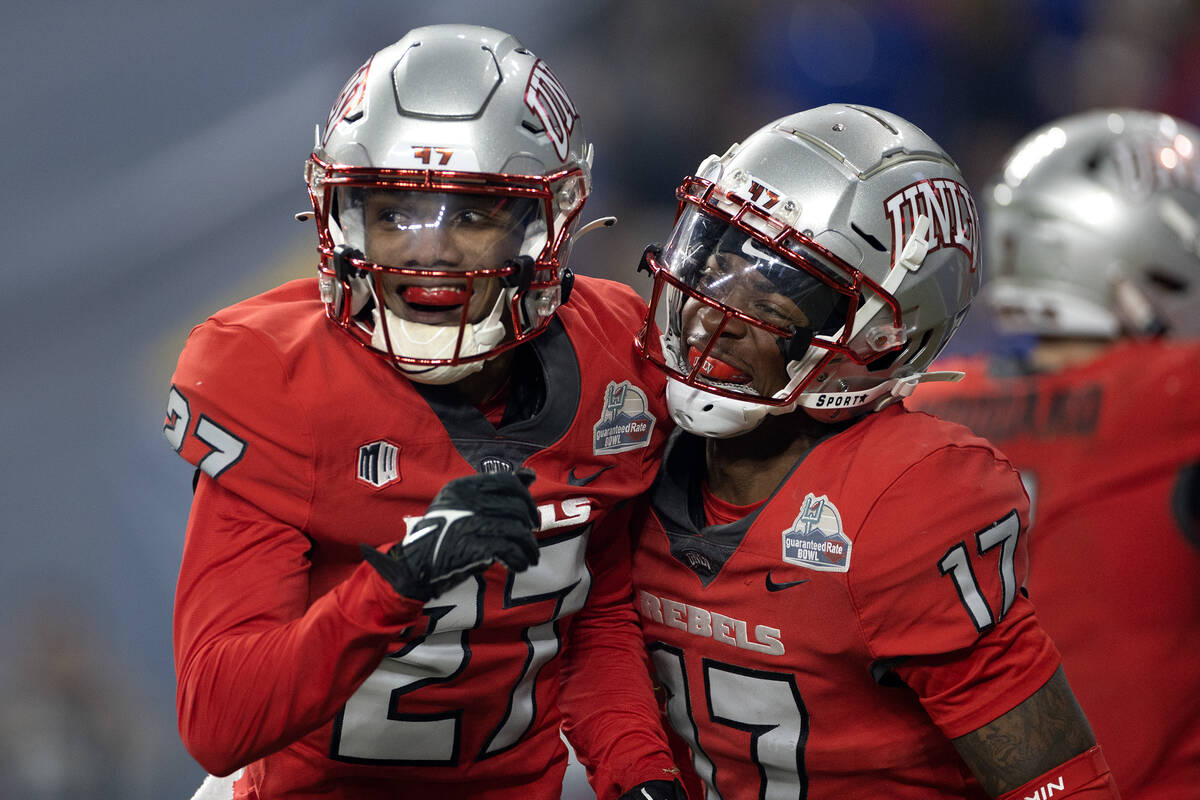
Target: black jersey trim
679,506
1185,502
545,398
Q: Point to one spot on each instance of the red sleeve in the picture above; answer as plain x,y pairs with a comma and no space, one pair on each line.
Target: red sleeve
610,715
234,412
943,605
257,666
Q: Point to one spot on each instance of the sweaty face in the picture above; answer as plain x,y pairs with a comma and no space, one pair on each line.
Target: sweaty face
743,355
442,231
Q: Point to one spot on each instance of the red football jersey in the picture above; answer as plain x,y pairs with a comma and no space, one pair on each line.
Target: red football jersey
830,644
295,655
1111,451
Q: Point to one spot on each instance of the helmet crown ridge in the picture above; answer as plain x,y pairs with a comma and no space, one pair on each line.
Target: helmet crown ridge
456,87
424,87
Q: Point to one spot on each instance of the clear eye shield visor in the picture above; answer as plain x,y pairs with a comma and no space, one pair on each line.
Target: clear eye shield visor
441,268
735,313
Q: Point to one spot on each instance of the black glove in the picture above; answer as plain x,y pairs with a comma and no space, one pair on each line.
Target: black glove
471,523
656,790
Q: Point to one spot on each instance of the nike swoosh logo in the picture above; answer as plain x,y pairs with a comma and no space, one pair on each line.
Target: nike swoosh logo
772,586
577,481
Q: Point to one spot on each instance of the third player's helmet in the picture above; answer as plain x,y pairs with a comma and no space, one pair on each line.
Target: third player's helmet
843,232
1093,228
447,186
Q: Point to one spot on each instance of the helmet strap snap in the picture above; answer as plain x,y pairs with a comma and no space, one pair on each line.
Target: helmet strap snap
343,257
653,249
566,282
521,275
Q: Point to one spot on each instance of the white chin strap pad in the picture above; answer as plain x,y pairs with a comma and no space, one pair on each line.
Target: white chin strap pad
420,340
709,415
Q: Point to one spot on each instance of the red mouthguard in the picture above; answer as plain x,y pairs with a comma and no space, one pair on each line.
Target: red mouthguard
435,295
716,369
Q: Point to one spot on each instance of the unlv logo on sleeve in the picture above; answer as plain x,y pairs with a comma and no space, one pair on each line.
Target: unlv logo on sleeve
547,98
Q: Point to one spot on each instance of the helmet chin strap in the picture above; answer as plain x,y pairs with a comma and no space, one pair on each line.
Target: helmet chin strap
421,340
713,417
823,405
595,225
881,395
911,258
716,417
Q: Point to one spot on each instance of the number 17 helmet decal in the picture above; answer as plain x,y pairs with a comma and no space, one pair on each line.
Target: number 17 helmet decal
446,188
821,264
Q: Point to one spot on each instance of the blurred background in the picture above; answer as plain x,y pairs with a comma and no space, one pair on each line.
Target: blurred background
154,155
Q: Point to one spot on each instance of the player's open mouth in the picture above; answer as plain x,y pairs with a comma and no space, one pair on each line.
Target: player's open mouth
715,370
431,303
434,299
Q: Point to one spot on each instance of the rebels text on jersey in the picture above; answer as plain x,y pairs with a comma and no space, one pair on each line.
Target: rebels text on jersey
832,642
294,655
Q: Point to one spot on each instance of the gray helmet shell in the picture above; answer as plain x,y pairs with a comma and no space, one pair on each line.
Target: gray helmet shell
1093,228
476,92
891,219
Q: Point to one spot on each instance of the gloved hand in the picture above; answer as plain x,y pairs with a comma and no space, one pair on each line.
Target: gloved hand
656,790
471,523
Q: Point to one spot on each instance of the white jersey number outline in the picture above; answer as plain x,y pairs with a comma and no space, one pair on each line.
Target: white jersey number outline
224,449
766,705
957,564
371,728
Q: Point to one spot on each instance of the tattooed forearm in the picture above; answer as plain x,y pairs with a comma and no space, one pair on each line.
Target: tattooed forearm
1044,731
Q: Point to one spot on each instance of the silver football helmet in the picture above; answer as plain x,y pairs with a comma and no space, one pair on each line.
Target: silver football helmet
446,190
1093,228
841,242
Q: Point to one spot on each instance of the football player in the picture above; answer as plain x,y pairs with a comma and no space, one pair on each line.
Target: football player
408,543
1093,242
831,586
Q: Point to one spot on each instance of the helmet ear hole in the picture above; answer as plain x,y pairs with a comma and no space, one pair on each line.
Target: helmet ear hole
920,348
1165,281
902,355
886,361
